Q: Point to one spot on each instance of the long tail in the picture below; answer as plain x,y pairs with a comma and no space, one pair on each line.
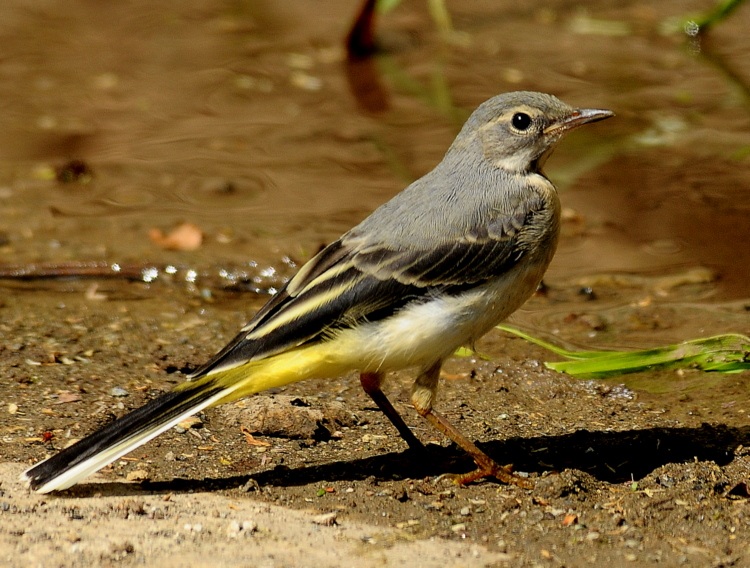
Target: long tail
125,434
101,448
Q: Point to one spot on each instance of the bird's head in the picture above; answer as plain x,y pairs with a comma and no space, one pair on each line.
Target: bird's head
517,131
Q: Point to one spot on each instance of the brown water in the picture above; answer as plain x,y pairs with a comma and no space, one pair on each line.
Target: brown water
245,119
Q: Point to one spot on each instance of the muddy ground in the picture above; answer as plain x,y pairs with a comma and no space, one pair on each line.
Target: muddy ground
621,477
247,121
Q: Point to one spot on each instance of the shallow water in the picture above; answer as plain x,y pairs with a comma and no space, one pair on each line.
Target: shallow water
245,119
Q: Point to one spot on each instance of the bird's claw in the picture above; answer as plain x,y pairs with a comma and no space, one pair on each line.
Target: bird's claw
504,474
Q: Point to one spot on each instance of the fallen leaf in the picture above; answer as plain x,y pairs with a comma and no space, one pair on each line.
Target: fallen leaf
250,439
65,397
185,236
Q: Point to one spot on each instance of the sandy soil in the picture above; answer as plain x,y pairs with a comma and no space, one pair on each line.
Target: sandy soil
202,529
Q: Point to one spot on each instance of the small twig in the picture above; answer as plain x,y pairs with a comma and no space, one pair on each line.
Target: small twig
73,269
242,278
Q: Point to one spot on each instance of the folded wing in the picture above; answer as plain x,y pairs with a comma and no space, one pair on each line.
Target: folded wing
352,281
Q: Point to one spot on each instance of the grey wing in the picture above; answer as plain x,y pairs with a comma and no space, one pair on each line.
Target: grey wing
350,282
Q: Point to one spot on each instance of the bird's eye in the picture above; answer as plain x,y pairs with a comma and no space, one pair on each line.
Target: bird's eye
521,121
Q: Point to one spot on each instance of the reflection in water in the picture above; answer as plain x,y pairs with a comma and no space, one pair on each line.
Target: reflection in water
365,84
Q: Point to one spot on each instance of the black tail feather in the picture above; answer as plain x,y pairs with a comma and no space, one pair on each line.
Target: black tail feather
157,412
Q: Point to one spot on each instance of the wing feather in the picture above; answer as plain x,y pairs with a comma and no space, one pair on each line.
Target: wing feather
352,281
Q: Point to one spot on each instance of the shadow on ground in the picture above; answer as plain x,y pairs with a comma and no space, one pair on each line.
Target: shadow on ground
612,457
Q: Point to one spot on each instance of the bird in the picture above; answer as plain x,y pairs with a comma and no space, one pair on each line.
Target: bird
431,270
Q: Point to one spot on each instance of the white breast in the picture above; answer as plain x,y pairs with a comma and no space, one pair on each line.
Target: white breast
424,333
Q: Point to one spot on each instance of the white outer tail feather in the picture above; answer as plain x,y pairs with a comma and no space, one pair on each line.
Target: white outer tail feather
82,470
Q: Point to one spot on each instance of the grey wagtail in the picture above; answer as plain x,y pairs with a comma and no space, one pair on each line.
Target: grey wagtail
433,269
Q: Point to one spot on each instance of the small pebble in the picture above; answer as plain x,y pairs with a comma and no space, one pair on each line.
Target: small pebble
137,475
326,520
246,528
305,81
188,423
249,527
118,392
233,529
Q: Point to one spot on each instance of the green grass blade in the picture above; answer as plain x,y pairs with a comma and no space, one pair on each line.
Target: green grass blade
729,353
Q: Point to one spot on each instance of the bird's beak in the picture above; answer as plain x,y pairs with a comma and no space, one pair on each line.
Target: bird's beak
575,119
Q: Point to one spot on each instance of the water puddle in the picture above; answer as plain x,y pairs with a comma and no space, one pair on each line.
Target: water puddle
246,120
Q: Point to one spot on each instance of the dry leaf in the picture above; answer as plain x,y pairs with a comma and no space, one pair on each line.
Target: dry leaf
251,441
186,236
65,397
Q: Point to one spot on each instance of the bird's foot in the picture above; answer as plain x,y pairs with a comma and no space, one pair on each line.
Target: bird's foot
503,473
